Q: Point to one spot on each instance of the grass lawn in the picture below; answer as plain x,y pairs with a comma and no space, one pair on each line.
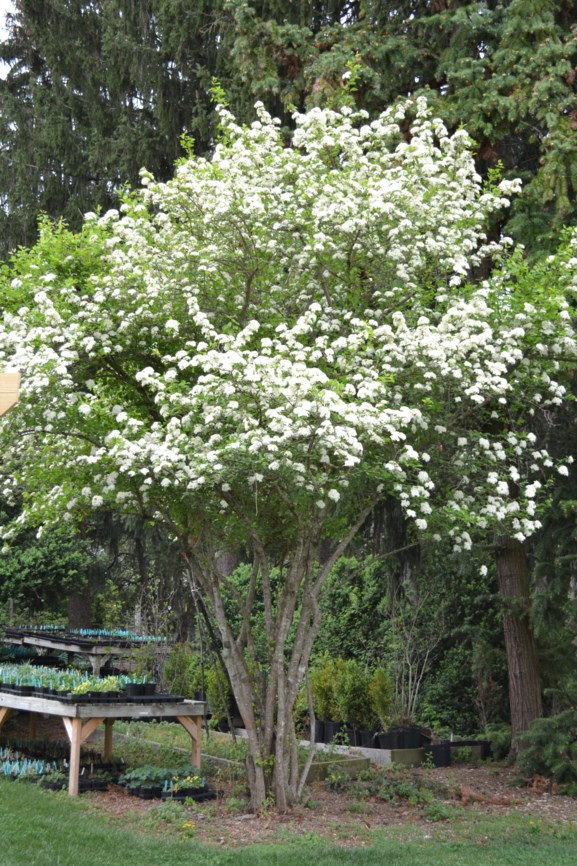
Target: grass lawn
40,828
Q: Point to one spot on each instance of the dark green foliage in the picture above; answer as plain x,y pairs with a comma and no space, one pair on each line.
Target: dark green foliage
324,674
348,691
182,674
550,749
449,693
94,92
354,697
505,71
554,608
38,574
355,604
188,673
450,625
500,739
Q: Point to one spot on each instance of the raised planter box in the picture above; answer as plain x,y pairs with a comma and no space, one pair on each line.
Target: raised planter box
320,769
476,749
410,757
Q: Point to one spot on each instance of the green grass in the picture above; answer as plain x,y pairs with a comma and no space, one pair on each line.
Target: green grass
172,735
40,828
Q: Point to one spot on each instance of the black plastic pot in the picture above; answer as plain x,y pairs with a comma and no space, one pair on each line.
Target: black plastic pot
351,736
26,690
364,738
149,792
198,794
53,786
92,785
388,740
486,751
331,730
319,731
134,690
409,737
439,754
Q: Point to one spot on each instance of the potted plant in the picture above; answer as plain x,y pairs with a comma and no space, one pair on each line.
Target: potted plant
54,781
354,701
324,674
184,786
107,688
147,781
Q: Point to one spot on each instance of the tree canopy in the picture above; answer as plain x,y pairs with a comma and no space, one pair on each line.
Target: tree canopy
505,71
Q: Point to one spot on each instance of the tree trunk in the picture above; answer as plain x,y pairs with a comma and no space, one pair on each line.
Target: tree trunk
80,609
266,689
522,662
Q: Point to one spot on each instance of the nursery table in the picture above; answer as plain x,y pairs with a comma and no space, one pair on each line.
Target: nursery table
97,653
81,719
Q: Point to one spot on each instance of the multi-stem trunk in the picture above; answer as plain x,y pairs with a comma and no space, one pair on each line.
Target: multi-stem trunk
266,689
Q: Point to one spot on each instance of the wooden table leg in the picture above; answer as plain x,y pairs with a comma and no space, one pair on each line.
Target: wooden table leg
78,731
32,725
75,740
193,724
5,713
108,739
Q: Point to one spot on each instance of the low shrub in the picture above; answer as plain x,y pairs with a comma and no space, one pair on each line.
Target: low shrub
550,749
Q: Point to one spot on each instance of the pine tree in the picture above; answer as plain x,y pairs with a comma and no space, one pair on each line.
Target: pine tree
504,71
94,92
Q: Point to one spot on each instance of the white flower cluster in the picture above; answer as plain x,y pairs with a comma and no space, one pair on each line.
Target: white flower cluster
288,330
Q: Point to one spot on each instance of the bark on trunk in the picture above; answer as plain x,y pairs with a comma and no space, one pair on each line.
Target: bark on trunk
522,662
80,609
266,689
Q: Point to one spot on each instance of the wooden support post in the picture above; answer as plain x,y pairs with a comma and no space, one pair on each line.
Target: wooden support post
75,734
32,725
5,713
108,739
193,724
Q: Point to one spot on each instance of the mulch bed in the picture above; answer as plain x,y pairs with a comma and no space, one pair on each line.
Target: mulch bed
342,817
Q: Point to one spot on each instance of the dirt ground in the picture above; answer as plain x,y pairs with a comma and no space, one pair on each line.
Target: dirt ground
345,817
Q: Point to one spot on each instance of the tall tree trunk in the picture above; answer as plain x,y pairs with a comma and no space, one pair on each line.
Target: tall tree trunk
80,609
523,667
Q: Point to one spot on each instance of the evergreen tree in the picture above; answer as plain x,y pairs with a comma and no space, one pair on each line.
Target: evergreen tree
504,71
94,92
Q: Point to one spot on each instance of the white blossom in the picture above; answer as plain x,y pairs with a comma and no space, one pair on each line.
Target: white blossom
265,338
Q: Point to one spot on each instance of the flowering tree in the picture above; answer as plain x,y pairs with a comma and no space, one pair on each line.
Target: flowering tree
258,351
